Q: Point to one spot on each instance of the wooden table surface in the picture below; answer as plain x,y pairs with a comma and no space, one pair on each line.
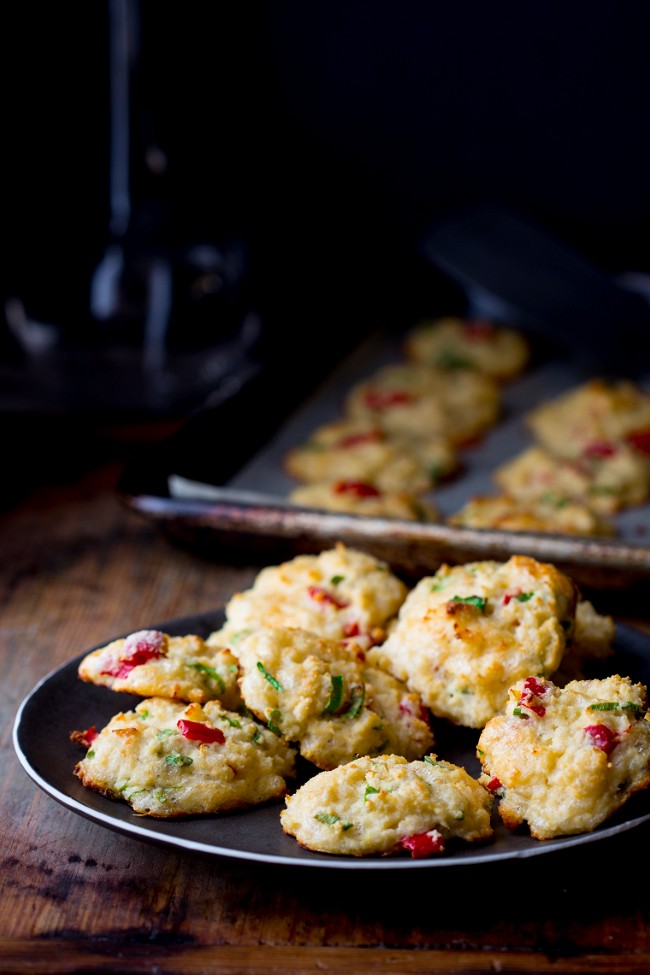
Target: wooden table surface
77,568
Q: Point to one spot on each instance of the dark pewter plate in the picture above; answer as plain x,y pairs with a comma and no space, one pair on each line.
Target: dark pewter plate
48,756
219,482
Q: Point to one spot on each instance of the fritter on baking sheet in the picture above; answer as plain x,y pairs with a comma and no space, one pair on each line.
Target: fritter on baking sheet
323,696
593,415
387,805
355,450
503,512
605,478
469,343
340,594
466,634
365,499
414,400
563,760
168,759
153,664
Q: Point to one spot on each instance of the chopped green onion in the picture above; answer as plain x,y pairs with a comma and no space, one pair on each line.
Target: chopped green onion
91,753
270,678
273,724
211,673
615,706
331,818
432,761
479,601
336,695
181,761
523,597
358,697
336,579
370,791
257,734
232,721
165,733
143,715
520,714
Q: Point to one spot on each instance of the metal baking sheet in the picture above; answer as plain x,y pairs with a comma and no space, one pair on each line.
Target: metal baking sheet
251,507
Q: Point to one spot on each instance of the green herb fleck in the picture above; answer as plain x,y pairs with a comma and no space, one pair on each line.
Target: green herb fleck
520,714
165,733
181,761
432,761
143,715
370,791
523,597
336,695
450,359
270,678
358,697
615,706
273,724
257,734
233,722
331,818
90,753
336,579
479,601
211,673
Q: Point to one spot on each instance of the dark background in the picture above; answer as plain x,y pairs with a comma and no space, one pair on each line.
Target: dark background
318,142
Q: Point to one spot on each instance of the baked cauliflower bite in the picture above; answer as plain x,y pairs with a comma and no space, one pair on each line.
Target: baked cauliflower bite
598,412
468,343
563,760
502,512
464,635
366,499
321,695
387,805
605,477
153,664
358,451
415,400
168,759
340,594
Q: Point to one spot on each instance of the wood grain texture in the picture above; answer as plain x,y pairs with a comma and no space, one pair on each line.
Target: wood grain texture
78,567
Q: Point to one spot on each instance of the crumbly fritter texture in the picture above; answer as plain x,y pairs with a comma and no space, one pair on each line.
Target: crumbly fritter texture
466,634
322,696
355,450
416,400
605,478
365,499
340,594
146,759
153,664
457,343
563,760
387,805
597,412
503,512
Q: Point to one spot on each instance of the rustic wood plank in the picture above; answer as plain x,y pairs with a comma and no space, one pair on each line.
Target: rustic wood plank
52,958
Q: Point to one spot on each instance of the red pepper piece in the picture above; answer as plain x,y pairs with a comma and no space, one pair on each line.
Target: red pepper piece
359,488
379,399
602,737
355,439
599,448
195,731
321,595
480,330
87,737
511,594
351,629
533,688
138,649
495,784
640,440
424,844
